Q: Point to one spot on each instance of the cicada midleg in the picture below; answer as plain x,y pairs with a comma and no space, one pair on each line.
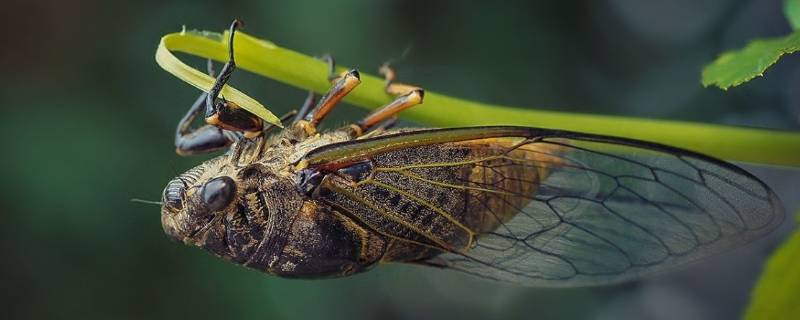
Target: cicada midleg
527,205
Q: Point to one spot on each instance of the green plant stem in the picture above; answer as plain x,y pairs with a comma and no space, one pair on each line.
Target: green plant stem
302,71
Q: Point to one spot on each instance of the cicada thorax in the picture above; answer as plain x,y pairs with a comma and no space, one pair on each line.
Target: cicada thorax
431,199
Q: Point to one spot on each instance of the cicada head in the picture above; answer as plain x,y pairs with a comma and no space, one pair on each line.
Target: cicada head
193,202
254,215
224,207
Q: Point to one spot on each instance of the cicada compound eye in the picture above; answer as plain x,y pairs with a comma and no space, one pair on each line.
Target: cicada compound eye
218,193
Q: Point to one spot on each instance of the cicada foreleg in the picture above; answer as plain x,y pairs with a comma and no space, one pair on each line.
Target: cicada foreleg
226,121
205,139
225,114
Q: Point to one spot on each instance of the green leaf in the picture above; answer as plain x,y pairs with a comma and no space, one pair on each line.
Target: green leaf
777,293
302,71
791,8
202,81
734,68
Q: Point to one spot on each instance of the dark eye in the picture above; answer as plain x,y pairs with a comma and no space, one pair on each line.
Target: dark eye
218,193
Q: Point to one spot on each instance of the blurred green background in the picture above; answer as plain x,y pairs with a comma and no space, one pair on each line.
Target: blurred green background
89,120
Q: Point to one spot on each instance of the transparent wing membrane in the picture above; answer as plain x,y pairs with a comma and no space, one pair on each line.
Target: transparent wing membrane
611,213
564,209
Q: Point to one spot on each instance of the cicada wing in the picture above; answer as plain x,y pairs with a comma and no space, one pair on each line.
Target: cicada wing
553,208
613,210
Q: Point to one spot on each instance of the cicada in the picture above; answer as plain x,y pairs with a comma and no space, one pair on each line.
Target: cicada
526,205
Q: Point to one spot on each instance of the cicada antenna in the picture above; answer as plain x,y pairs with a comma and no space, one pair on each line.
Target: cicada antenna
136,200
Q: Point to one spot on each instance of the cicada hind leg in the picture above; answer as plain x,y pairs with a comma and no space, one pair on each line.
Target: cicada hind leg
406,96
342,83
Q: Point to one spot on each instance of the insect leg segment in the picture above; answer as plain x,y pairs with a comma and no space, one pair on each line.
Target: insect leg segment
225,74
310,179
388,111
208,138
311,99
376,130
228,115
332,75
341,88
391,86
309,103
205,139
407,97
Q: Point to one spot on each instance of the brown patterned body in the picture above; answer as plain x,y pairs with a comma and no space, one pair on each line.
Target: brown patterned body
519,204
275,228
